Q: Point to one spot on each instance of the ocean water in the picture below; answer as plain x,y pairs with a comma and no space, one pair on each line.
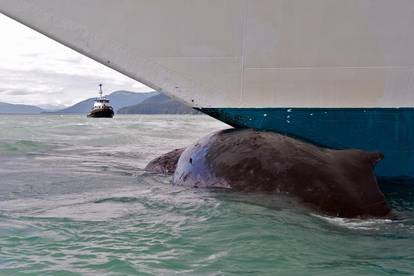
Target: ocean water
74,200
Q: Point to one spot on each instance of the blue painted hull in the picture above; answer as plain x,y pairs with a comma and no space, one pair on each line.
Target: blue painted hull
388,130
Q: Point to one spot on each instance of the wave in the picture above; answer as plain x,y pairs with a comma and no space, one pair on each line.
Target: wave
22,146
355,224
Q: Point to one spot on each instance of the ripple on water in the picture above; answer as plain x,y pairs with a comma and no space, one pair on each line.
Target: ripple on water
22,146
162,229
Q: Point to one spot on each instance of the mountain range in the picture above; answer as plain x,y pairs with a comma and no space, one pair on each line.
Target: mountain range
7,108
118,99
123,102
158,104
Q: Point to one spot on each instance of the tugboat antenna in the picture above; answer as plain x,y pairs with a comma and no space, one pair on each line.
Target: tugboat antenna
100,90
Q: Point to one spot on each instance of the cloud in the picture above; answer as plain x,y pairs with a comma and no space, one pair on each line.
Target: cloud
37,70
17,93
46,87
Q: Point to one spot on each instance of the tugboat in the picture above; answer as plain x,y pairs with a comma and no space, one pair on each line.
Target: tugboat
101,107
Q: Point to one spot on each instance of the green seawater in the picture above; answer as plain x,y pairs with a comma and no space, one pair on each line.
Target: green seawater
74,200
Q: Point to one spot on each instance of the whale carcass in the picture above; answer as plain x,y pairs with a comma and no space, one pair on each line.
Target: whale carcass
334,182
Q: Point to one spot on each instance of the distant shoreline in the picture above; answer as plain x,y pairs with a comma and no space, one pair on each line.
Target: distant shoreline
122,102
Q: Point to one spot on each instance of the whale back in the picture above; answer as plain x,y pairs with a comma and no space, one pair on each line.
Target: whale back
336,182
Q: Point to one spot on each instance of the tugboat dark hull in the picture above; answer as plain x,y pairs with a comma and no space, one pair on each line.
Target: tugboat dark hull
101,113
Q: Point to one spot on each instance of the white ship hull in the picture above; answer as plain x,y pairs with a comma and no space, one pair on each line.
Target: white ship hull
252,62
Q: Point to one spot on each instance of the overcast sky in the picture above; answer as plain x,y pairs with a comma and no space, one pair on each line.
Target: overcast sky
37,70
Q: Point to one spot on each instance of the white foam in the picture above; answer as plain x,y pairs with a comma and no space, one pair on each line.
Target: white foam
356,224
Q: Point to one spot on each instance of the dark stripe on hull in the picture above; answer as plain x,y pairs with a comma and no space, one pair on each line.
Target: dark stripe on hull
389,130
106,113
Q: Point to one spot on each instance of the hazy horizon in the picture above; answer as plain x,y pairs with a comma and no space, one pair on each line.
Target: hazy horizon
36,70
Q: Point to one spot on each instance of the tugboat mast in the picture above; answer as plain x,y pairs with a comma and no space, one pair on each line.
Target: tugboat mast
100,90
